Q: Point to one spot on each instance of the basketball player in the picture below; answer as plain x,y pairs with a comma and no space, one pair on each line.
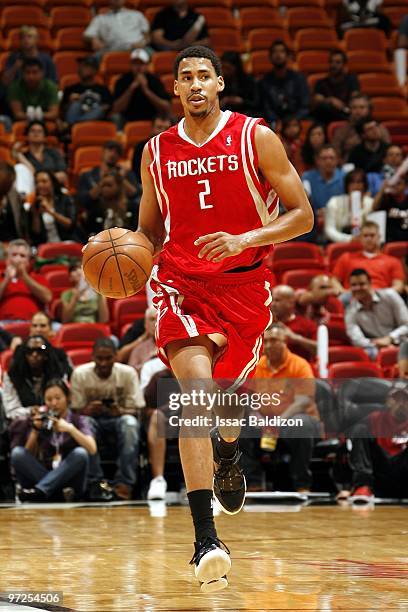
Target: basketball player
210,205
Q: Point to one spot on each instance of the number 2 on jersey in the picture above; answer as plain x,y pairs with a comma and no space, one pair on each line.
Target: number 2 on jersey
204,193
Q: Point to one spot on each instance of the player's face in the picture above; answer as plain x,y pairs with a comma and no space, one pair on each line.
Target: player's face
198,86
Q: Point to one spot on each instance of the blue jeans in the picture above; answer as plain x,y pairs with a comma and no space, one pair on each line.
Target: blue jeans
126,430
72,471
75,114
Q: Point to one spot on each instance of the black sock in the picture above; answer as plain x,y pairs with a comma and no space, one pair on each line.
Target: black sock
226,450
201,510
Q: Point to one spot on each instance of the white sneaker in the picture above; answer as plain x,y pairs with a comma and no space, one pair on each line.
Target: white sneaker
157,488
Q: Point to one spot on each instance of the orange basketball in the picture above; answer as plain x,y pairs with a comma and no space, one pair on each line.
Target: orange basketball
117,262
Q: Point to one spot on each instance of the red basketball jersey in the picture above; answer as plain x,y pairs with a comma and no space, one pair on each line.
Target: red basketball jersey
202,189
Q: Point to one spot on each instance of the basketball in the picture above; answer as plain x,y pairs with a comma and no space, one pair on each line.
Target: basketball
117,262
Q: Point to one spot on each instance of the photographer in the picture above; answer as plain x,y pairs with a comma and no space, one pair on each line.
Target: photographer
379,455
109,392
50,450
34,364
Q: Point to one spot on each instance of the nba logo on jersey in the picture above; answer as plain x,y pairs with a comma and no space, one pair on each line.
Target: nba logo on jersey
228,140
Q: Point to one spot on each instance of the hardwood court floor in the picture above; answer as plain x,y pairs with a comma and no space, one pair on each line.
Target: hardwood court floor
122,559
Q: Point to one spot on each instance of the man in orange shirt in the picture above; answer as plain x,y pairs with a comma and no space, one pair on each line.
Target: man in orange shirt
385,271
281,371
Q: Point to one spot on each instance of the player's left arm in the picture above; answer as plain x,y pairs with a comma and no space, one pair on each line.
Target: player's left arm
279,172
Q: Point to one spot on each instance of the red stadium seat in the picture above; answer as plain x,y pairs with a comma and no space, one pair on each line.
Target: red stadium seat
312,61
241,4
337,333
70,39
66,62
336,249
354,369
80,356
335,306
52,268
225,39
86,158
218,17
126,311
339,354
387,359
333,126
259,17
163,62
305,17
396,249
300,278
260,62
380,84
366,39
92,133
365,61
262,38
45,41
315,38
59,281
21,329
136,131
80,335
17,16
114,62
389,108
296,250
69,17
53,249
5,360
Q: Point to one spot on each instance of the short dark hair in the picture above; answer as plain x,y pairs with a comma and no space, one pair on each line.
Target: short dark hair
325,147
104,342
357,173
334,52
279,42
30,62
198,51
360,272
361,123
60,383
113,144
36,122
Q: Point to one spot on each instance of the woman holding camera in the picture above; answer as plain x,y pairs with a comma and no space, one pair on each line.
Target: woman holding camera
50,449
52,217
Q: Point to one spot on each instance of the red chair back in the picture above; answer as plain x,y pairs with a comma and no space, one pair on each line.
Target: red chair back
338,354
80,356
80,335
355,369
21,329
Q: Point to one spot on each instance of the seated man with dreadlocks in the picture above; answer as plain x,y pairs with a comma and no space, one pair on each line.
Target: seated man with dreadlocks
34,364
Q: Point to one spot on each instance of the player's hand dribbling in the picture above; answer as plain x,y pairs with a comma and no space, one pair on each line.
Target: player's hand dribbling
220,245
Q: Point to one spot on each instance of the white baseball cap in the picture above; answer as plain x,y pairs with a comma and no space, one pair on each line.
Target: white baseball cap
140,54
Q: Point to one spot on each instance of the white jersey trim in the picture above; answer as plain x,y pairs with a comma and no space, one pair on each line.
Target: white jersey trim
221,125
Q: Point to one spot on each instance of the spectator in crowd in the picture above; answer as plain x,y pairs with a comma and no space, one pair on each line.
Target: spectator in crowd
32,96
82,304
394,200
292,377
178,26
339,223
332,94
41,325
240,92
393,159
403,361
143,348
38,156
120,29
109,392
300,332
160,124
149,369
364,14
402,41
314,302
375,318
8,341
52,216
379,451
283,91
345,138
34,364
28,50
385,270
50,450
321,184
139,94
113,208
290,137
316,137
12,220
369,154
89,184
88,99
22,293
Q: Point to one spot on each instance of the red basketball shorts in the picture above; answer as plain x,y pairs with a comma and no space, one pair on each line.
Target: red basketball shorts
234,311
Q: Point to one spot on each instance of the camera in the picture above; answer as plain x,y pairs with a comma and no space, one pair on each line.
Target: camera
108,402
46,416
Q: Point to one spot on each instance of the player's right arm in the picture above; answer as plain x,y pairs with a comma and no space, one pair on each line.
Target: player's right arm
150,217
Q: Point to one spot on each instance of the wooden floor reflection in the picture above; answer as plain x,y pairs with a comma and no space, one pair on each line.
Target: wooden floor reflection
122,559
